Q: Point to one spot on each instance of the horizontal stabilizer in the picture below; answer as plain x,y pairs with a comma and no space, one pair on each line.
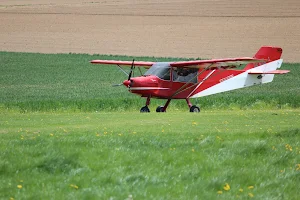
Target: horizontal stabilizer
270,72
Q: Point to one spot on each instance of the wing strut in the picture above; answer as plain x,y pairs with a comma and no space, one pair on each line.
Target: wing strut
122,70
208,75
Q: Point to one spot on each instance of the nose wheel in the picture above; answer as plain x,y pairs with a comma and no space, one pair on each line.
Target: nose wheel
163,108
160,109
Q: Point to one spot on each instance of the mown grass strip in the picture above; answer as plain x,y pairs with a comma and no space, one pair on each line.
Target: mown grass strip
177,155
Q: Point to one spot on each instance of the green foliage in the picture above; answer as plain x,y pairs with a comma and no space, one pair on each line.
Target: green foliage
157,156
47,82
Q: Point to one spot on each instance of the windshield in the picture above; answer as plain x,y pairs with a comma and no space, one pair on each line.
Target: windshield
161,70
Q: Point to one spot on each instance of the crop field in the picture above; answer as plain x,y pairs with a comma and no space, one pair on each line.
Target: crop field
49,82
65,133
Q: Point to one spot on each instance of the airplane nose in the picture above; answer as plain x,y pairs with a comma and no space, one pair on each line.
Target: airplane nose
126,83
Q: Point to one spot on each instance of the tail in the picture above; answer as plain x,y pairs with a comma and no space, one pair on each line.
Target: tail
268,53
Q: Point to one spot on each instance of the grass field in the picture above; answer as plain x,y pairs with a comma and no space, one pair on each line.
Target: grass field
215,155
47,82
65,133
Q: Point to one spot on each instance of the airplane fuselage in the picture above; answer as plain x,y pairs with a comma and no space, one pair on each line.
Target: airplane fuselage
172,84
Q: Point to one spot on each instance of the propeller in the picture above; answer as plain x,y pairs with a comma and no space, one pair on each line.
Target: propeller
129,75
116,85
131,70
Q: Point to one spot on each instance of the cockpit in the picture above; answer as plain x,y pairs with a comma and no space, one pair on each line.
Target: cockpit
163,71
160,69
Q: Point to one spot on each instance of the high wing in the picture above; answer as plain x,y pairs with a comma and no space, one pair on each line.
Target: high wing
217,63
200,64
123,63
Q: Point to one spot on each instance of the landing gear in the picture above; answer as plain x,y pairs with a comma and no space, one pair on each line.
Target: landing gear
145,109
160,109
194,109
163,108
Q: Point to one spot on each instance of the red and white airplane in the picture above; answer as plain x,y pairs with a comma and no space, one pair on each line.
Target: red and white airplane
198,78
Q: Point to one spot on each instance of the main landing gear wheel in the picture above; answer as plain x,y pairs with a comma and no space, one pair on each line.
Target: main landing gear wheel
145,109
160,109
194,109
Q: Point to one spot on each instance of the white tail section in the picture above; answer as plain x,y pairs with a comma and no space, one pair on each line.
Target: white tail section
244,79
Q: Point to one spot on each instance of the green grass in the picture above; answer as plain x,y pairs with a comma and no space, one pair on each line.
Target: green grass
48,82
150,156
60,152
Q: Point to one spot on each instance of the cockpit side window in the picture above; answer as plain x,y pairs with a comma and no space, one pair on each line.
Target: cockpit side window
185,75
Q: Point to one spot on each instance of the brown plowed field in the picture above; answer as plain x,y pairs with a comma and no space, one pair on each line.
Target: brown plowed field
177,28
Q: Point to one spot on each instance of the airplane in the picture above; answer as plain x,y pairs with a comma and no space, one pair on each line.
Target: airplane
198,78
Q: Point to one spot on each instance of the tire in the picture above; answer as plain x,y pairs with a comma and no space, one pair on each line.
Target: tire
145,109
195,109
160,109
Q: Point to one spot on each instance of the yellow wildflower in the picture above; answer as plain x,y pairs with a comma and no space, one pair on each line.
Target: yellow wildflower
250,195
219,192
241,190
298,167
74,186
250,187
219,138
288,147
226,187
193,150
19,186
51,134
11,198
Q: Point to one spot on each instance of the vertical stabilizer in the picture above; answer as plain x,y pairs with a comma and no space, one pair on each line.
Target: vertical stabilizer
268,53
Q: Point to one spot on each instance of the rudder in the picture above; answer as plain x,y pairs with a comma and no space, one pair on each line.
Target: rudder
268,53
